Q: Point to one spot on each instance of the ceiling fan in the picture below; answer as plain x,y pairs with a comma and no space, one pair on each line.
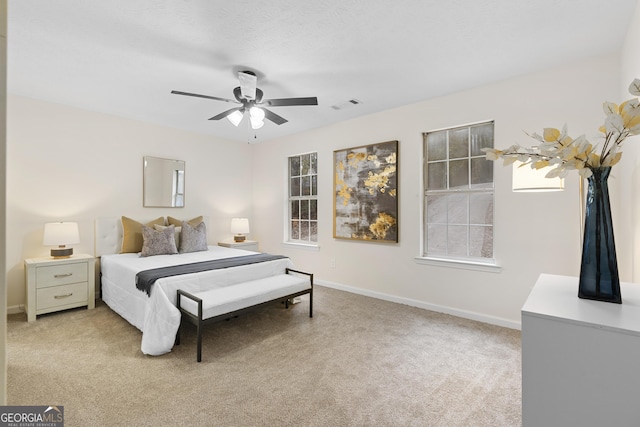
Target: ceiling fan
250,98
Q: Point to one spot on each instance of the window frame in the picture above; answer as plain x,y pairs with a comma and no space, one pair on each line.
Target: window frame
447,260
288,235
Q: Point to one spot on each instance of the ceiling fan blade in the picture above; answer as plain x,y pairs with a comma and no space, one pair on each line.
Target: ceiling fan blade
273,117
177,92
226,113
285,102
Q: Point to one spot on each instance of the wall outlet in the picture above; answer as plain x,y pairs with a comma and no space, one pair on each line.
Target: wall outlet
333,263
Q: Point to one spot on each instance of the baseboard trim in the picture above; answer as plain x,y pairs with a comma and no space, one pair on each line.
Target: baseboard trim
15,309
479,317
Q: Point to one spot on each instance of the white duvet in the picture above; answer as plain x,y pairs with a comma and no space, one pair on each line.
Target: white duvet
156,315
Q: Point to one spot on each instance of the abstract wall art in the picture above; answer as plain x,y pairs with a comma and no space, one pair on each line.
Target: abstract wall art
366,192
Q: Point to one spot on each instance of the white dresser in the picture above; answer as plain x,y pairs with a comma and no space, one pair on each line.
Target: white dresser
59,284
580,358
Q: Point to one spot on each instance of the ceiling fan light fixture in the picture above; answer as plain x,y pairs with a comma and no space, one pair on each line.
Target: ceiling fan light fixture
236,117
257,113
256,123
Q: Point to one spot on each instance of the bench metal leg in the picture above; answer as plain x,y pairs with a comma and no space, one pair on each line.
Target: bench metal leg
177,342
178,333
199,332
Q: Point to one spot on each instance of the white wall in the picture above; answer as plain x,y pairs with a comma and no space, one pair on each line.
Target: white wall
76,165
535,233
628,233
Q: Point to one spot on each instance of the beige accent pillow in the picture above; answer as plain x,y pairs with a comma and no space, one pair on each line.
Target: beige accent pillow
178,222
132,234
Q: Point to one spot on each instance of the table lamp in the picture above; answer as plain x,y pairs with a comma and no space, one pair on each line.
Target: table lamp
60,234
239,227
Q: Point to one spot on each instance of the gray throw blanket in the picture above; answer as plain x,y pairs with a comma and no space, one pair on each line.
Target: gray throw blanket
145,279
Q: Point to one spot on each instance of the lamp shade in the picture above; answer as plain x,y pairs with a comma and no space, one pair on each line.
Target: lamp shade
239,225
60,234
256,124
526,179
256,116
235,117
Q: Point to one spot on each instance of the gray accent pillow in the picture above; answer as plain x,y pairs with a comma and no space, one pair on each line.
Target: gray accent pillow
193,239
178,229
158,242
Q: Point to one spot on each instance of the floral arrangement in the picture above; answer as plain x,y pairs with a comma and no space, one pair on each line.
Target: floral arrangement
558,150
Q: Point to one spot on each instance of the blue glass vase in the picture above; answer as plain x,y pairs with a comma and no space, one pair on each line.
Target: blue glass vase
599,278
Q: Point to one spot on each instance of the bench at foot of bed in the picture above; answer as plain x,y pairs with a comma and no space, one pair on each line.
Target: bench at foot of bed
206,307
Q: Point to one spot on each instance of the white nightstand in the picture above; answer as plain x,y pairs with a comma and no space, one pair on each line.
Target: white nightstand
58,284
247,245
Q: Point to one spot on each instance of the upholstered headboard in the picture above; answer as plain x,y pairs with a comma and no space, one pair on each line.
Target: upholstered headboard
109,233
108,236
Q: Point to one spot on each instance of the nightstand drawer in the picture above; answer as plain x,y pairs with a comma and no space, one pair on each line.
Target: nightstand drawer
59,296
55,275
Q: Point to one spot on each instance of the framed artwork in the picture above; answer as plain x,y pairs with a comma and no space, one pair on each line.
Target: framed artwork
365,182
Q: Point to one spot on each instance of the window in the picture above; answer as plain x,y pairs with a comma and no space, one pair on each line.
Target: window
303,198
178,188
458,199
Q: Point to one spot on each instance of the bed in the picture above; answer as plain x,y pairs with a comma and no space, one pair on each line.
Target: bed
156,314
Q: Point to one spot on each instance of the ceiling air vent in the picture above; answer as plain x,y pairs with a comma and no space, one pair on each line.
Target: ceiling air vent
348,104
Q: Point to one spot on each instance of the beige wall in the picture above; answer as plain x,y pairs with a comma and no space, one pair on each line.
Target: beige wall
628,233
535,233
71,164
76,165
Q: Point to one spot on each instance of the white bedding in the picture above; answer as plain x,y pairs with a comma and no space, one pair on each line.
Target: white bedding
156,315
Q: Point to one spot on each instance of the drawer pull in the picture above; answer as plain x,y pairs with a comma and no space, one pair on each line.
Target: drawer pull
58,276
63,296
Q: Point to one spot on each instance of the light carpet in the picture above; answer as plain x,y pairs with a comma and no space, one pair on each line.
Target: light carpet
358,362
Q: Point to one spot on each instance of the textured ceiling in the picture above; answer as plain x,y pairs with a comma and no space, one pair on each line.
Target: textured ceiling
124,57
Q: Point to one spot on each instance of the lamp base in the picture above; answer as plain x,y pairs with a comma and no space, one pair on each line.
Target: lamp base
239,237
61,252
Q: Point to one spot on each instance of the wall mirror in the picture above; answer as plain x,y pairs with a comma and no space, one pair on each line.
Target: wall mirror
163,183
